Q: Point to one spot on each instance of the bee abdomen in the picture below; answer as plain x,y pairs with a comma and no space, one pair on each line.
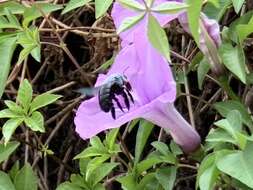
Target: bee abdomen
105,101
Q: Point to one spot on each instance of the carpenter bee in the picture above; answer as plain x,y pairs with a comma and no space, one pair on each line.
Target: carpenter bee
116,84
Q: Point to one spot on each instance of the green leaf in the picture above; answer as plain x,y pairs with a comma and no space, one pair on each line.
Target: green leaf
26,179
146,181
237,5
73,4
43,100
193,14
24,54
94,164
129,22
234,59
175,149
167,177
9,128
219,135
203,69
226,106
13,7
242,20
215,12
7,48
127,182
132,4
144,130
83,163
105,65
90,152
96,143
30,41
68,186
35,122
14,107
9,21
151,161
7,150
25,93
170,7
14,170
111,138
101,7
239,165
158,38
34,12
243,30
102,172
233,125
7,113
207,173
5,182
161,147
12,19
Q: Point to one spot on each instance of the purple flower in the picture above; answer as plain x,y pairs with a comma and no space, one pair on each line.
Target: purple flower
119,13
154,91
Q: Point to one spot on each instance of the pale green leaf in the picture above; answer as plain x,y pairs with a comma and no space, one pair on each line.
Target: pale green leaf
239,165
129,22
7,48
205,170
13,6
144,130
234,59
226,106
170,7
34,12
132,4
101,7
7,113
73,4
193,14
35,122
14,107
25,93
5,182
94,164
7,150
43,100
68,186
158,38
203,69
167,177
26,179
217,12
9,127
243,30
102,172
237,5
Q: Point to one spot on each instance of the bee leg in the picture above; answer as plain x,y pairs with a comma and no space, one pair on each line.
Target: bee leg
124,95
117,102
130,95
113,112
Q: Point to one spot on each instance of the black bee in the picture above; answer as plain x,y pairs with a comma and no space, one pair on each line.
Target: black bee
114,85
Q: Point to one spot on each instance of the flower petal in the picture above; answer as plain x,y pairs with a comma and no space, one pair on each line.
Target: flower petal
182,132
211,26
91,120
119,13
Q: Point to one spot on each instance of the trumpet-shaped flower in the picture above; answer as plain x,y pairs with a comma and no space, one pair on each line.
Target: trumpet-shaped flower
154,92
154,89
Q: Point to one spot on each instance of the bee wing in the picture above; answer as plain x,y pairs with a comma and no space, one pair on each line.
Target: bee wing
89,91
